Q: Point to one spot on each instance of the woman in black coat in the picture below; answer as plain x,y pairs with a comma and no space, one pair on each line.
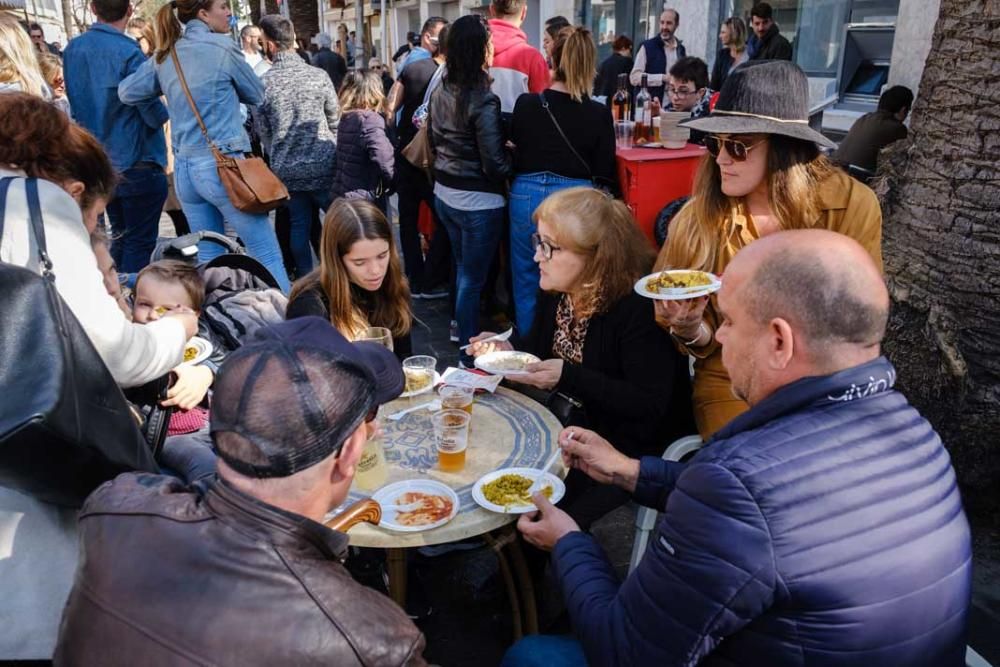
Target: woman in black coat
598,340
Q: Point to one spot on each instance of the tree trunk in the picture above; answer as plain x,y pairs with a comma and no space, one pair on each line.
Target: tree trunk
940,195
67,11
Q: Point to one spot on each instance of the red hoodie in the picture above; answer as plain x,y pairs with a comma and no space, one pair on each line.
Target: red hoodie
518,67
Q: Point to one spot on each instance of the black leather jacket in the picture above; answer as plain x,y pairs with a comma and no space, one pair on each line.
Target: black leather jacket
204,575
469,151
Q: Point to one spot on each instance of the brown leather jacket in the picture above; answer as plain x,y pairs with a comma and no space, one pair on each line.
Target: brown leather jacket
210,576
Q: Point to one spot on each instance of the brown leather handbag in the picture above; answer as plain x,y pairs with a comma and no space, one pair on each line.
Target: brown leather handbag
252,187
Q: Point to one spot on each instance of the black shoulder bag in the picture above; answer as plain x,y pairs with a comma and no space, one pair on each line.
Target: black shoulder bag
65,426
594,181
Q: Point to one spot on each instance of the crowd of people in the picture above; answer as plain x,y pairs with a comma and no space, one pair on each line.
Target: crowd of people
819,523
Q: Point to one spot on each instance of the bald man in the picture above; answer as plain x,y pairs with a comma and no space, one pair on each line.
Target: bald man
821,527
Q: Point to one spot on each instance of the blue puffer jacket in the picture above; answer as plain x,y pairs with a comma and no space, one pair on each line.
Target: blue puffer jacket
822,527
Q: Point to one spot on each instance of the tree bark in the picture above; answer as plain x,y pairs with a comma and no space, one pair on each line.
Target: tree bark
940,191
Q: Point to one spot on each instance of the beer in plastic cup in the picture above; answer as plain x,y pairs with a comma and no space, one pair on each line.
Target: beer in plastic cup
456,398
451,433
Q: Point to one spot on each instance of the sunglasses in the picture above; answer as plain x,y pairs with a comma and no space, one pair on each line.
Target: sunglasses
734,147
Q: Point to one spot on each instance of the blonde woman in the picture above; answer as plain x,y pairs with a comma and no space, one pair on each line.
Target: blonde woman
597,338
19,70
364,165
359,282
51,67
141,31
764,173
733,36
546,161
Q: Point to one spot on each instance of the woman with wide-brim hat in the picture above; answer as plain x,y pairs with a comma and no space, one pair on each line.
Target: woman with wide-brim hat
764,173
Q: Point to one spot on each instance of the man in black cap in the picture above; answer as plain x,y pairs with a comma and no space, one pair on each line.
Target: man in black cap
240,569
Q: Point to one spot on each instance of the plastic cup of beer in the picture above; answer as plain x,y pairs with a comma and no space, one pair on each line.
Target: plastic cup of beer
451,433
456,398
380,335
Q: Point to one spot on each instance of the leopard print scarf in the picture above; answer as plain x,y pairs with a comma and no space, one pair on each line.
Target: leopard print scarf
567,343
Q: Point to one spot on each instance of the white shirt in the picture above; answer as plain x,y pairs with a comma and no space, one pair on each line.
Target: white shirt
252,58
639,68
134,353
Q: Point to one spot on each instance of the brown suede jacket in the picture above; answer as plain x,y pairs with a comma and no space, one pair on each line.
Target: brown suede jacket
176,575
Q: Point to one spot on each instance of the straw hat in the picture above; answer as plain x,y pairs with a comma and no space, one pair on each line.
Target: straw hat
763,97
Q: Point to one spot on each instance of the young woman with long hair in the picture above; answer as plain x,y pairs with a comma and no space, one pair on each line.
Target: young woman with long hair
545,162
471,165
359,282
597,340
733,36
220,80
764,173
364,166
19,71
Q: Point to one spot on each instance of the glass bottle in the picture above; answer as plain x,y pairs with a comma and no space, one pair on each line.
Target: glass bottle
643,109
619,103
654,124
371,471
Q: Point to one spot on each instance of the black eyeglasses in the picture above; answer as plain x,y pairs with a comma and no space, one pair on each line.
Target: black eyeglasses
734,147
547,248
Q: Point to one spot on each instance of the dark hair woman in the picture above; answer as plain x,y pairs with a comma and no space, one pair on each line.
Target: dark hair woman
619,62
548,159
359,282
471,164
764,173
220,80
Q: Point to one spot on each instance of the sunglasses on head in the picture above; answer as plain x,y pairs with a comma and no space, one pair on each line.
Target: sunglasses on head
735,148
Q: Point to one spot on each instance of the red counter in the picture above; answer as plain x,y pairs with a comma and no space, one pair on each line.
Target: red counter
651,178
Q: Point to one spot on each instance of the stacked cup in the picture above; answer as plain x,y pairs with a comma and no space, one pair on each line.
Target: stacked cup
672,135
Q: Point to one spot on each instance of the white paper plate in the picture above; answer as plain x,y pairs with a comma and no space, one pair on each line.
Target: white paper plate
676,294
558,490
203,347
490,362
434,382
389,495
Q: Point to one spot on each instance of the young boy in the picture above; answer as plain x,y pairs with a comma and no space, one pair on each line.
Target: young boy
687,90
159,287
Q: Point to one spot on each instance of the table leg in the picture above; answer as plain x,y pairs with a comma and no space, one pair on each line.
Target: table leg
396,567
498,546
527,592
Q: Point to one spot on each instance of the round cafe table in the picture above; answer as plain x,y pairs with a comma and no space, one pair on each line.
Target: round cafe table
507,429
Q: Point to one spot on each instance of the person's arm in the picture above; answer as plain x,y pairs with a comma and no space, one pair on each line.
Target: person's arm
782,50
716,80
639,68
862,220
709,571
153,112
645,389
395,98
380,150
262,122
605,162
249,89
140,86
307,303
489,139
539,76
331,107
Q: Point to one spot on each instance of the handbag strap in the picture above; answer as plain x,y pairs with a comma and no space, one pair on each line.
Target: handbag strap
545,105
433,83
187,93
34,218
4,187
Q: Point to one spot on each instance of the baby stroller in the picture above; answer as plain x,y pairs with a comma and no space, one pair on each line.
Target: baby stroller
240,294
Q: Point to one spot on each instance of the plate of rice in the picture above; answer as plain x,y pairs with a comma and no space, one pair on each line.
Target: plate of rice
676,285
505,490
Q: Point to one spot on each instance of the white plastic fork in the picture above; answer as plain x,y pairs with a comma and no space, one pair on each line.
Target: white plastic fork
433,406
498,338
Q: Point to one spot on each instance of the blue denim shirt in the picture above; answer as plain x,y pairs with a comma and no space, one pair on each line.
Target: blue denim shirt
95,63
219,79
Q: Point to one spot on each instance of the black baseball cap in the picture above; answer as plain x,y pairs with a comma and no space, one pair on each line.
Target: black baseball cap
293,395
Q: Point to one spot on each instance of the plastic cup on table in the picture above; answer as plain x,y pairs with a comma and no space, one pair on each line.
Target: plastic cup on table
456,398
624,133
451,435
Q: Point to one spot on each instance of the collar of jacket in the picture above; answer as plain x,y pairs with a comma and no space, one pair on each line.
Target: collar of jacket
275,525
874,377
287,58
195,26
110,30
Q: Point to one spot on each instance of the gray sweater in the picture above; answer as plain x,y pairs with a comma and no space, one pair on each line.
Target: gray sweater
297,123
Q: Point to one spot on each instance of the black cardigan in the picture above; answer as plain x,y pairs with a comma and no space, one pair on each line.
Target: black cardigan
315,302
633,383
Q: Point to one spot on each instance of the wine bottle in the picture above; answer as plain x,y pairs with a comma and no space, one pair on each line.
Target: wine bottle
643,109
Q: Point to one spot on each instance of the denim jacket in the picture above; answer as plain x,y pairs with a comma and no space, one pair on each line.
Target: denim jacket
95,63
219,79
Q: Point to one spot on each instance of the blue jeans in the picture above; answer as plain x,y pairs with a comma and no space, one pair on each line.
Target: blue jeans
300,213
134,213
545,651
474,238
206,204
526,194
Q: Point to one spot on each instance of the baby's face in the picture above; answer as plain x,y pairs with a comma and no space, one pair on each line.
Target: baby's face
154,297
